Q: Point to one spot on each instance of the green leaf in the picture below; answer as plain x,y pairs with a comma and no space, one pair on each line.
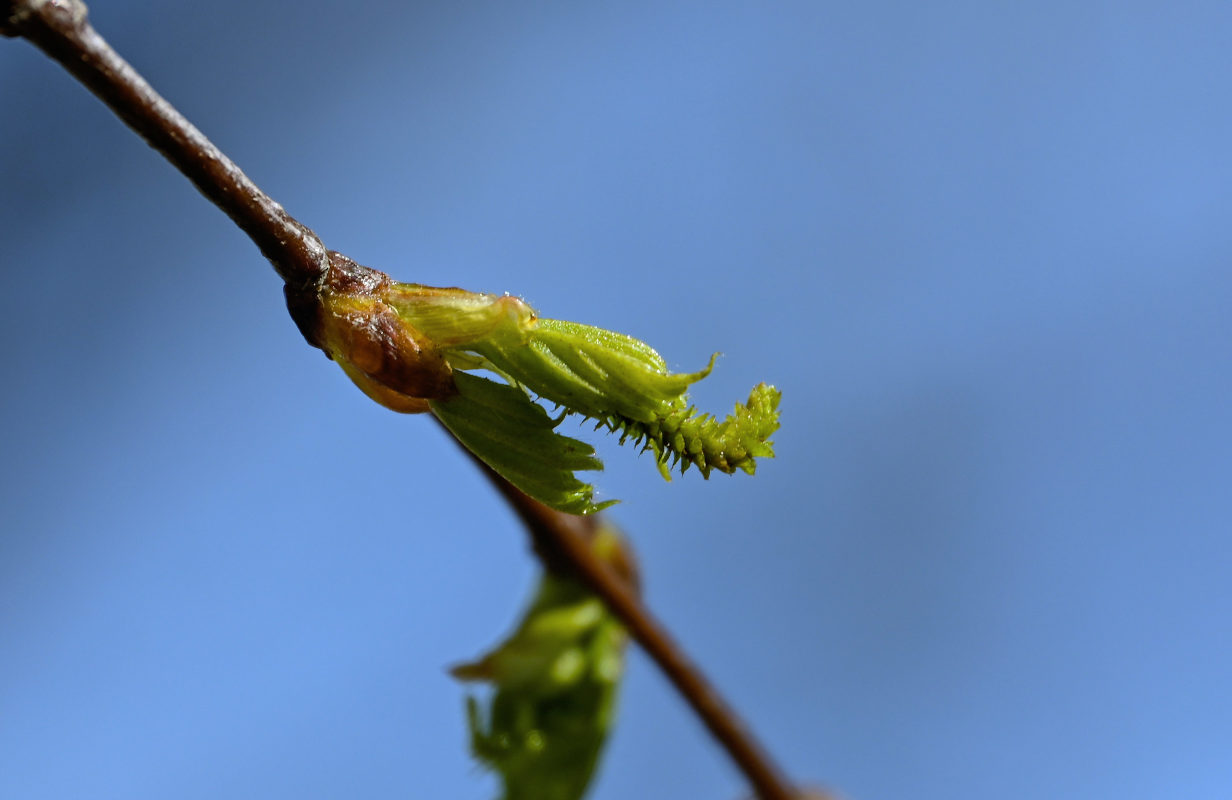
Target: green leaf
623,384
555,680
588,370
514,436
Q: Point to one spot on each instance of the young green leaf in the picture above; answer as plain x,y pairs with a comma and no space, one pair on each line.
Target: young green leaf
554,681
516,437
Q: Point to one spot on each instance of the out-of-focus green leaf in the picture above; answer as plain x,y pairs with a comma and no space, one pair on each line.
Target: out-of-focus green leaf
554,683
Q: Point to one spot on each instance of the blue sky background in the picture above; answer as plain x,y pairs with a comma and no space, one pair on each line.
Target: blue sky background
983,248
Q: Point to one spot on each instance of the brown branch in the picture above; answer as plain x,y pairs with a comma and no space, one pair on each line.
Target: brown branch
60,28
562,540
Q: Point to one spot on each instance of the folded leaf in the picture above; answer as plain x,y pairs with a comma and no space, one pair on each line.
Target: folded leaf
623,384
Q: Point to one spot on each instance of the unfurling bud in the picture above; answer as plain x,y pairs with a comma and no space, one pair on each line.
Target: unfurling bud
405,345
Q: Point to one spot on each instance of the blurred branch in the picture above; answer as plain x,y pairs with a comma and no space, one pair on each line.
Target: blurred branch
561,541
61,30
